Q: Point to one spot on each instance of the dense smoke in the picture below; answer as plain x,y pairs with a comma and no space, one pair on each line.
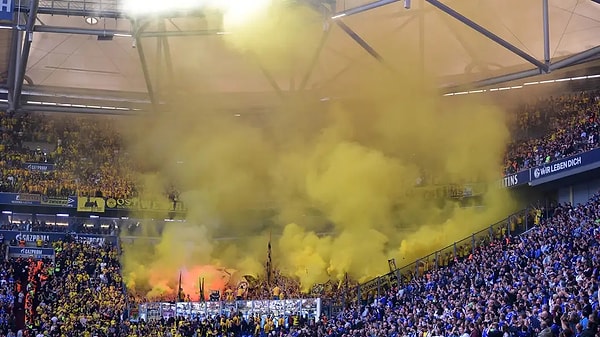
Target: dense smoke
333,182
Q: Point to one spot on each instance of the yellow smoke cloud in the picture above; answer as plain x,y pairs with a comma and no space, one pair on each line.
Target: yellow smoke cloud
334,182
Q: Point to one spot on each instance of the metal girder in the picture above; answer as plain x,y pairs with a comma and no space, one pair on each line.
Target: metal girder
359,40
49,7
44,98
97,8
507,78
75,109
82,13
546,27
80,31
85,94
363,8
421,39
575,59
472,24
562,64
22,64
270,79
448,10
140,48
182,33
167,52
158,64
315,59
12,64
113,32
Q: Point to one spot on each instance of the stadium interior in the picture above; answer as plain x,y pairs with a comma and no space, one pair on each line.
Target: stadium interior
338,168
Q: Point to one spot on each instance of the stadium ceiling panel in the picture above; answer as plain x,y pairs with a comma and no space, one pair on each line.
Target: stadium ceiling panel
80,45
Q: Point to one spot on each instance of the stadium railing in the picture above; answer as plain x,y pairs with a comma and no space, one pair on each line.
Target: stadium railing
515,224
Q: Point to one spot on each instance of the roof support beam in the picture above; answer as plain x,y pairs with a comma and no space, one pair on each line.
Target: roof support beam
158,66
315,59
167,52
140,48
546,24
80,31
182,33
22,66
472,24
361,42
448,10
12,64
112,32
421,39
270,79
363,8
109,14
508,78
564,63
575,59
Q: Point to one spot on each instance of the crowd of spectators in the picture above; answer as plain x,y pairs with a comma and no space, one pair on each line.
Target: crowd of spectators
80,293
73,225
553,128
85,153
8,311
88,157
542,283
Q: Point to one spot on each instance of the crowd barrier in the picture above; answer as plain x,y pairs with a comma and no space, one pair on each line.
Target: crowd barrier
516,223
308,307
88,204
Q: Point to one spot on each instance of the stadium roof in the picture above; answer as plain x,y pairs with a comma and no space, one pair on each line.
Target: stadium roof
110,66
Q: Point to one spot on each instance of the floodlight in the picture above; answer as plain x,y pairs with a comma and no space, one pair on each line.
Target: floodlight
239,12
236,12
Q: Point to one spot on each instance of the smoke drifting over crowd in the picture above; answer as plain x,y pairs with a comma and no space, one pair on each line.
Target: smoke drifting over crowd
334,183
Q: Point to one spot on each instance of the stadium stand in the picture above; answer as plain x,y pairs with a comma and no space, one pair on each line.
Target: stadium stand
543,282
80,293
8,310
82,149
554,128
88,158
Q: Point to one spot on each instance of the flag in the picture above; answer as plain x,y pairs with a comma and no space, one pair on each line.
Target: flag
201,288
179,290
346,281
269,265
